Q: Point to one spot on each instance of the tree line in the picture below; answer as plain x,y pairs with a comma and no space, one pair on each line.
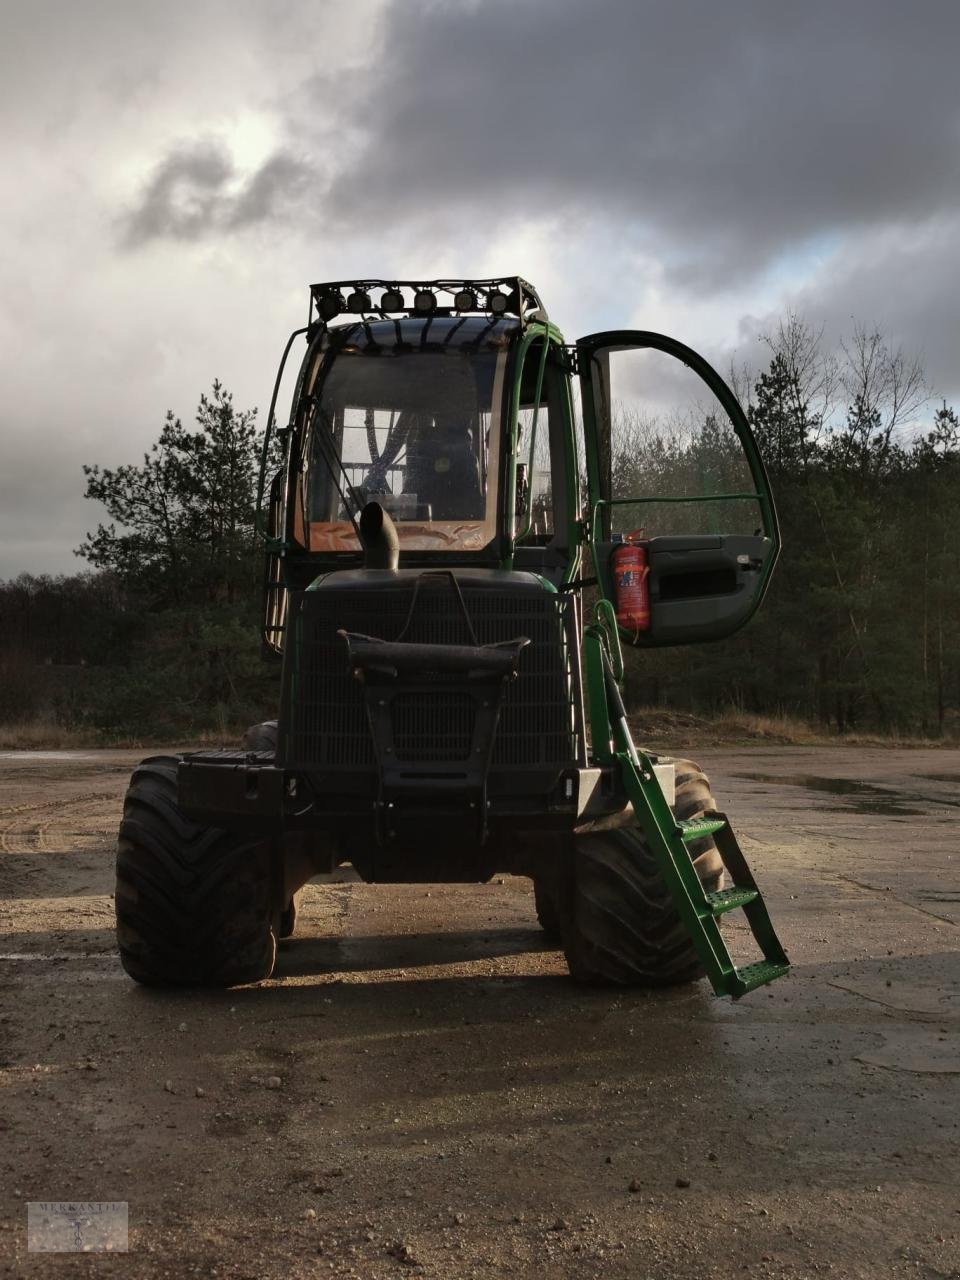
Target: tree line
860,628
162,636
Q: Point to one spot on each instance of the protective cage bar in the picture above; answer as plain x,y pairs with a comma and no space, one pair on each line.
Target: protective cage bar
503,295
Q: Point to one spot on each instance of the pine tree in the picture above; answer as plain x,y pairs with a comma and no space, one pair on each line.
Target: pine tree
182,523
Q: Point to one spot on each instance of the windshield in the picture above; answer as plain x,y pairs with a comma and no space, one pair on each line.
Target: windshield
417,429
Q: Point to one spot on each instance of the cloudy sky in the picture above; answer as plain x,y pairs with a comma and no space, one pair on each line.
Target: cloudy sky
175,175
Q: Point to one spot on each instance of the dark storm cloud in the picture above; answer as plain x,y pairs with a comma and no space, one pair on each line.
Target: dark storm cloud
183,196
720,136
727,131
905,282
273,191
194,191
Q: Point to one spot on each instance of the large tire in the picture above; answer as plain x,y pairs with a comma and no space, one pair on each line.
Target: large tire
621,927
193,903
261,737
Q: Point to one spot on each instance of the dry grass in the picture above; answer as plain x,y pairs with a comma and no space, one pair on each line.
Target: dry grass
44,735
734,726
780,729
48,735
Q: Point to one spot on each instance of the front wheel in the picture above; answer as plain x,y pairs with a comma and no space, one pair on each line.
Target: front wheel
620,924
193,903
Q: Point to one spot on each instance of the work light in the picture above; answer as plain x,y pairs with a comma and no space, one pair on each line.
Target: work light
498,303
331,304
424,301
358,301
391,300
465,300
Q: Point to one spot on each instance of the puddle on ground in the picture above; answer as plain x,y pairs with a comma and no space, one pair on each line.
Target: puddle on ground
863,796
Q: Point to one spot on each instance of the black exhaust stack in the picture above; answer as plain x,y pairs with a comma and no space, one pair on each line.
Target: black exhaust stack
378,533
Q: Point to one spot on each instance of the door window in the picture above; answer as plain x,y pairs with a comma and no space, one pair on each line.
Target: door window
672,446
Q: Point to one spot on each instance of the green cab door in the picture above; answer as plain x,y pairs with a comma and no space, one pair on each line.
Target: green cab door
672,464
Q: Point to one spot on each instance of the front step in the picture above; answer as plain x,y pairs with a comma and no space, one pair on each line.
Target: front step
699,910
759,974
730,899
696,828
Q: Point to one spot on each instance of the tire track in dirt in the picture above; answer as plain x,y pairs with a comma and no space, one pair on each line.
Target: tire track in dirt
20,832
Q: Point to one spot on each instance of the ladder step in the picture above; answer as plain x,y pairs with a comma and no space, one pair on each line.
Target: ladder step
729,899
756,975
697,828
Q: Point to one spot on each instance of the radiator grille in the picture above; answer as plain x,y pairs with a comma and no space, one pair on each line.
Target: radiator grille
330,730
433,726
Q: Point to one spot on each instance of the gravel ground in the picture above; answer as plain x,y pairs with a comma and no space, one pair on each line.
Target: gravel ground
421,1090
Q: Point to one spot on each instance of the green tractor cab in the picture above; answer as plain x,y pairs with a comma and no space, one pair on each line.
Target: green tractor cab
450,549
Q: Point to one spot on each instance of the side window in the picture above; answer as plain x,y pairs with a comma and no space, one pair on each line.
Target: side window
536,519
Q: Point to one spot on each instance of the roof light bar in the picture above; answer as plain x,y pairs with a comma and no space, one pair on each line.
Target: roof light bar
496,299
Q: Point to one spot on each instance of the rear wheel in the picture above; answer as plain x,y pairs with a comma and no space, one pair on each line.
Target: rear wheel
192,902
620,924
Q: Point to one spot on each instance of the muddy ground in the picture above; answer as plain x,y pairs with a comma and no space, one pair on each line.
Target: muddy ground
450,1105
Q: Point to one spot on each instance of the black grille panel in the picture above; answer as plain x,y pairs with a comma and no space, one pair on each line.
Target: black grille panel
330,730
433,726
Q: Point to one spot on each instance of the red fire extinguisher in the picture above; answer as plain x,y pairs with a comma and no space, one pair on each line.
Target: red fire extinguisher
631,589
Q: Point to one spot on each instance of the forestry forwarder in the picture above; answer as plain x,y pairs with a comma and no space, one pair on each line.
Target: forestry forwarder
449,580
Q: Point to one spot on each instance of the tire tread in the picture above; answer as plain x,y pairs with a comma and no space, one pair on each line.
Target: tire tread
192,902
621,926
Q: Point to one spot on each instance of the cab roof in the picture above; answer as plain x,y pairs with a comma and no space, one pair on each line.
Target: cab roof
429,331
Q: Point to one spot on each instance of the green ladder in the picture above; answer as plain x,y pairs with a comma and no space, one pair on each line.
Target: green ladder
669,837
700,911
